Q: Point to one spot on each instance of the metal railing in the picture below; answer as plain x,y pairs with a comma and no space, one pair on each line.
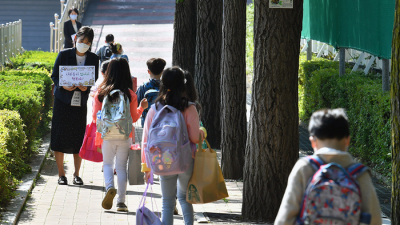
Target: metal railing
57,28
10,41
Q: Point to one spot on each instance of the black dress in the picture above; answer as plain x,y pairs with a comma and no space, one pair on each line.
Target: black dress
67,127
69,122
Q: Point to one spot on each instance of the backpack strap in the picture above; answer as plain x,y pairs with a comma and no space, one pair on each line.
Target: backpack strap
314,161
357,169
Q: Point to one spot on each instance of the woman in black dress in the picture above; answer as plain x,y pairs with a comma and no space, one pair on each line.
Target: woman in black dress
69,120
71,27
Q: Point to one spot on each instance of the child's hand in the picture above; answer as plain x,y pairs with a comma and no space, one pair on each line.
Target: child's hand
144,104
69,88
147,176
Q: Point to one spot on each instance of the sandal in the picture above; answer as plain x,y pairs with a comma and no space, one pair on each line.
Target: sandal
78,181
62,180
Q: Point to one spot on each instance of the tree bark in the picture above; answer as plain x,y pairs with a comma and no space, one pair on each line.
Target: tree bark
395,104
184,47
208,63
273,137
233,89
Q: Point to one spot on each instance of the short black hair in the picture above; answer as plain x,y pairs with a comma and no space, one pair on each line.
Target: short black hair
109,38
85,32
104,66
329,124
156,65
73,10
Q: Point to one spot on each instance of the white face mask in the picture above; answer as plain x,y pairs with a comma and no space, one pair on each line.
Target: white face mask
82,47
73,17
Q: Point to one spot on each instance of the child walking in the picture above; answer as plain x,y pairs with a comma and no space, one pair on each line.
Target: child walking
173,93
117,77
117,51
330,139
150,89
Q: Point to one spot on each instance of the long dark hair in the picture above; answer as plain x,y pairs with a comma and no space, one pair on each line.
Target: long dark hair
191,91
172,89
117,76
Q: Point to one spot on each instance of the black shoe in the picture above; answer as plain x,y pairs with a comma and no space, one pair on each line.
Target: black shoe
121,207
78,181
62,180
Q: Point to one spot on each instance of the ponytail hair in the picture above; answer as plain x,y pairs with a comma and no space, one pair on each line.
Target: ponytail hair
115,47
172,89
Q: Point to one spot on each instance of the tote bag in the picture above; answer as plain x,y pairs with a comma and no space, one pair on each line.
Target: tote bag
145,216
207,183
89,150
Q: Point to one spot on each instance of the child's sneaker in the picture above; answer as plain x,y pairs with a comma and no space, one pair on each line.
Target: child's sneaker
121,207
108,199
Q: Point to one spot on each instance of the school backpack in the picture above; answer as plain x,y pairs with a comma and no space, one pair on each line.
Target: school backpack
168,149
114,121
151,95
107,53
332,195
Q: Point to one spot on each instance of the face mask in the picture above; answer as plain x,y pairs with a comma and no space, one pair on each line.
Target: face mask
82,47
73,17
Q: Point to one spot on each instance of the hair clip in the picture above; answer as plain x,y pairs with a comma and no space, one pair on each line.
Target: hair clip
184,81
169,90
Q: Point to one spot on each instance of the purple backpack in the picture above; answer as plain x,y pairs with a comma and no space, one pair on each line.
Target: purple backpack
332,195
168,149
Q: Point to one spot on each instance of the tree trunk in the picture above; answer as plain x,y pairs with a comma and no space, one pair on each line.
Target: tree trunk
184,47
273,139
233,89
208,64
395,104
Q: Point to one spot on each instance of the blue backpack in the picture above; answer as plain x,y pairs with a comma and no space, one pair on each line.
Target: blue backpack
151,95
332,195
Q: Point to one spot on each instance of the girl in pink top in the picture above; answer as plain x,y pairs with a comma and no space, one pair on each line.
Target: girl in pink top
117,76
173,93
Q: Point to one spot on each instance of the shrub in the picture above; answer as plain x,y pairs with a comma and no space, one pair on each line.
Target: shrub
38,76
12,141
368,109
27,97
35,59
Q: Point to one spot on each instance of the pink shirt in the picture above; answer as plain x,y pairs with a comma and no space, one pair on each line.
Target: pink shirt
192,123
135,112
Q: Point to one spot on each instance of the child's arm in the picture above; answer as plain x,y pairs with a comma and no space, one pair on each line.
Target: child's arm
147,123
369,199
192,124
293,197
135,112
140,93
96,106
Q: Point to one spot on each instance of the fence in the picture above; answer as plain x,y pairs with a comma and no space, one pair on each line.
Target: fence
10,41
57,28
359,58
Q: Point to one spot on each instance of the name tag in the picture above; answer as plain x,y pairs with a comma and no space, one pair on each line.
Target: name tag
76,98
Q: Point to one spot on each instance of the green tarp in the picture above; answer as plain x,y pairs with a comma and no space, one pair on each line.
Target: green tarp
365,25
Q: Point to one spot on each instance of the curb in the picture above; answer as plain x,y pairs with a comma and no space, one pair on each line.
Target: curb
13,211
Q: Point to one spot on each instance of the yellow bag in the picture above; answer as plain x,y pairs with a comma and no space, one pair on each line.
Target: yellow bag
207,183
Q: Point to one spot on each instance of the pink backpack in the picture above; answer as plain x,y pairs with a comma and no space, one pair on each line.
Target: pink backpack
168,149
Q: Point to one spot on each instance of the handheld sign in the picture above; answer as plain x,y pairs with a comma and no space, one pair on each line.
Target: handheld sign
77,75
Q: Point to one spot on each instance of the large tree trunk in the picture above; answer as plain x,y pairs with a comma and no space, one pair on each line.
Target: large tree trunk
184,48
395,104
273,139
208,64
233,89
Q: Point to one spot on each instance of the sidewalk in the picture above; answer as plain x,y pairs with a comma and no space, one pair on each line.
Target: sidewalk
51,203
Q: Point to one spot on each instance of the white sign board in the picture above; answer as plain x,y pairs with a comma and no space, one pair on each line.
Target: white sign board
282,4
77,75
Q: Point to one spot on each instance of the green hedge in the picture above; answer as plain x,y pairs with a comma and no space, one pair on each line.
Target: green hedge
368,108
35,59
12,141
38,76
26,96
